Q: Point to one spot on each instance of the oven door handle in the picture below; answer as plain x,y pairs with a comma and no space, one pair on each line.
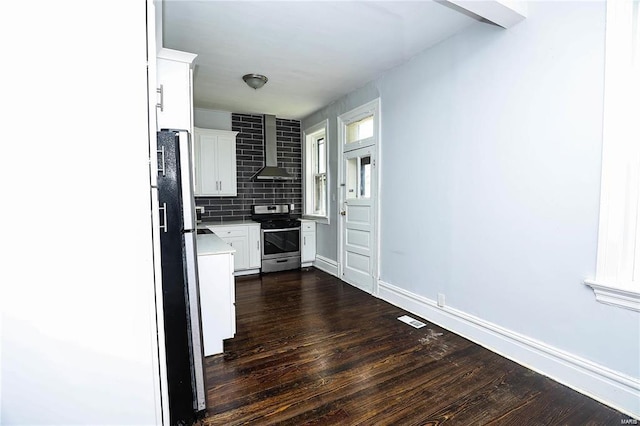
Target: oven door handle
280,230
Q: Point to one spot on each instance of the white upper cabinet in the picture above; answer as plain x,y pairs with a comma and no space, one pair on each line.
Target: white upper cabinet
174,91
215,163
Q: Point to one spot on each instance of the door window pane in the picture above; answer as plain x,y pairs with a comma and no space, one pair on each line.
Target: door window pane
359,177
365,177
360,130
352,178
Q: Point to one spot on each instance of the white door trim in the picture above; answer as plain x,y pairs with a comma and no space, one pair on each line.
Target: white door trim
370,108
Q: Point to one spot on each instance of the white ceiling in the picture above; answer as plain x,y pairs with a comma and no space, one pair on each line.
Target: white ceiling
313,52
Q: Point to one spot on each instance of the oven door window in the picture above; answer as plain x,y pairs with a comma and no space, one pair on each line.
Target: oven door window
279,242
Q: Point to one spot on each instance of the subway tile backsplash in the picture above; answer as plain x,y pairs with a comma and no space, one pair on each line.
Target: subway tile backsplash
250,159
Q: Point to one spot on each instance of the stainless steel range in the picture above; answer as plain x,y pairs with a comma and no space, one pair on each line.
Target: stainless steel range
280,235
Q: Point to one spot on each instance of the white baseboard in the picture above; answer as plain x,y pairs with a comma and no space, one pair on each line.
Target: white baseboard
610,387
246,272
327,265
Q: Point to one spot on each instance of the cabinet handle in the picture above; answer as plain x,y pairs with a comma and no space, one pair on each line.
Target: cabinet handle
164,226
304,241
258,245
220,185
160,91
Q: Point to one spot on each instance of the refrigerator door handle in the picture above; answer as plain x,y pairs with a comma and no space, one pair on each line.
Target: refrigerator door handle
164,226
160,104
161,168
186,172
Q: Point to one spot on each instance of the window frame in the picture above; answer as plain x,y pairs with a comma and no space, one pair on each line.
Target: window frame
617,280
310,137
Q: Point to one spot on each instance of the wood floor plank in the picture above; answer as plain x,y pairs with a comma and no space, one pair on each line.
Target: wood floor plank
312,350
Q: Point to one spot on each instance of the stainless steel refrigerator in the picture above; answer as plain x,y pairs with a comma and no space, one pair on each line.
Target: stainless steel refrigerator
180,292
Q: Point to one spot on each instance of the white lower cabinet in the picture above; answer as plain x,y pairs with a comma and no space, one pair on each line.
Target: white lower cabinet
241,260
255,251
308,236
217,300
245,239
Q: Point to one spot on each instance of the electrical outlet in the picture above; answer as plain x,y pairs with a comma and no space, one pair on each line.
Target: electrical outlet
441,300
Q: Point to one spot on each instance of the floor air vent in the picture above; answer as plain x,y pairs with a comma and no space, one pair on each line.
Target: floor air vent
411,321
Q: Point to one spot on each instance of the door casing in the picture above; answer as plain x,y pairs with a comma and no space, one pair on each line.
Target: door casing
370,108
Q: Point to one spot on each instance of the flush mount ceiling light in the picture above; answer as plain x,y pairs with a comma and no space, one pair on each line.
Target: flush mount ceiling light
255,81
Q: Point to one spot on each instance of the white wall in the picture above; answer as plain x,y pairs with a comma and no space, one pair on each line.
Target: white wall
212,119
77,276
491,155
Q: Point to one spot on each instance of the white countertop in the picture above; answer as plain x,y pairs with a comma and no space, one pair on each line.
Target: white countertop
209,244
205,224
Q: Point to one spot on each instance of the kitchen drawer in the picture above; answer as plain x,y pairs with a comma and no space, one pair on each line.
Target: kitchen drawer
230,231
308,226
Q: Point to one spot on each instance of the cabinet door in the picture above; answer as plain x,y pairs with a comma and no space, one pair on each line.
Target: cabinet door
226,165
241,256
255,253
215,162
308,236
308,246
206,164
174,80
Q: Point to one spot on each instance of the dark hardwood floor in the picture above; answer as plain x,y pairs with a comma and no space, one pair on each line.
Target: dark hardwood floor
312,350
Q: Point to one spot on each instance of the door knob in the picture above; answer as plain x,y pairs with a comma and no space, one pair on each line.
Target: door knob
343,213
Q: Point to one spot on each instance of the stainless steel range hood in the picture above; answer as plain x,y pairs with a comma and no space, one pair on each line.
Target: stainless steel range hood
271,171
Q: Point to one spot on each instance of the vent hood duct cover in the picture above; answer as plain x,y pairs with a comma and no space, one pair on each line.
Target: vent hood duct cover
271,171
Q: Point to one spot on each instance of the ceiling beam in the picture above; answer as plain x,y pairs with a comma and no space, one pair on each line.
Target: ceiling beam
505,13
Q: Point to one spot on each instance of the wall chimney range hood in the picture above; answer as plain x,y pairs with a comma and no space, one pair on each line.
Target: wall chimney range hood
271,171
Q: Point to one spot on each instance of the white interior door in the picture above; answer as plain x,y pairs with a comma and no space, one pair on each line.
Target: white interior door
358,216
